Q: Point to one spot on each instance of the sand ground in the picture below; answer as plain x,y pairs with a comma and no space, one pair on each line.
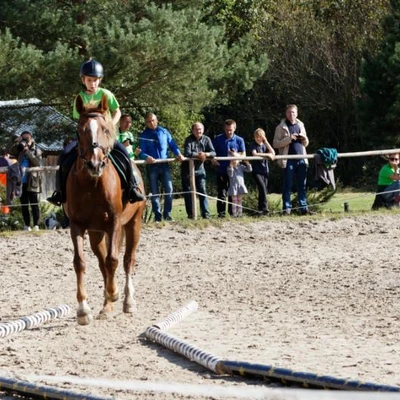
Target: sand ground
308,293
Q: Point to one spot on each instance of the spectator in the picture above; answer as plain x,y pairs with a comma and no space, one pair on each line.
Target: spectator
29,155
200,147
237,187
4,162
290,139
226,144
91,73
388,184
154,143
125,136
261,147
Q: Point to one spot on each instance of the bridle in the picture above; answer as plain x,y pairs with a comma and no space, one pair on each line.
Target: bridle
94,144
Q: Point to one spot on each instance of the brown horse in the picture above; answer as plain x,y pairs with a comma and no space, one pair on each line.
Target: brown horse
95,205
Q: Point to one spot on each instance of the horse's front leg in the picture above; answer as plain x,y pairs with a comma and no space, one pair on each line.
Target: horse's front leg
111,293
84,313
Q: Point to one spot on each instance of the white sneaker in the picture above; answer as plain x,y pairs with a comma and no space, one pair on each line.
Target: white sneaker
35,228
27,228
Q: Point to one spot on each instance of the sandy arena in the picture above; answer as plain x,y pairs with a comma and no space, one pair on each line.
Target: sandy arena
305,293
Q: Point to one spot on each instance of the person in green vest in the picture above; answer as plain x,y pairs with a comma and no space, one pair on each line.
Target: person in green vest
388,183
125,137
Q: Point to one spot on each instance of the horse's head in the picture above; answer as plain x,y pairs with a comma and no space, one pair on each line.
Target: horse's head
96,136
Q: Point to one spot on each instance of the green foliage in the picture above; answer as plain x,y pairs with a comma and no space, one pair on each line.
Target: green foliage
15,56
315,50
316,198
155,54
379,106
240,59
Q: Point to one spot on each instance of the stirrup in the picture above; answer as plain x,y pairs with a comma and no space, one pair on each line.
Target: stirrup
56,198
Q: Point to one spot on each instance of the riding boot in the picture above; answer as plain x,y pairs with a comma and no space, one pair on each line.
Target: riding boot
56,198
66,161
131,180
133,192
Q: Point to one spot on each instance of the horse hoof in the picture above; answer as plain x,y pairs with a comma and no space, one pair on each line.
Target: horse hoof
85,319
130,308
102,315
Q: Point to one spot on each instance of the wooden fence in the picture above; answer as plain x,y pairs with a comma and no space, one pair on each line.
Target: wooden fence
49,171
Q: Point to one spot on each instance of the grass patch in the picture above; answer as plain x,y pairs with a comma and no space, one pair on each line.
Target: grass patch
358,202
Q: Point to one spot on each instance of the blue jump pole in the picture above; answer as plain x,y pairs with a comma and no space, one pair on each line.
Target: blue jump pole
42,391
305,379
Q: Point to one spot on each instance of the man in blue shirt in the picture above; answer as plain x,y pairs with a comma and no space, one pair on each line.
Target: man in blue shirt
226,144
154,143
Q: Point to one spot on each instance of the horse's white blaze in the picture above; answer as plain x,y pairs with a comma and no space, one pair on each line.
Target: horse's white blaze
94,126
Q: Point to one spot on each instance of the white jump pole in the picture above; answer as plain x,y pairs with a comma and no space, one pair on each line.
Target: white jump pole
157,333
34,320
185,349
177,316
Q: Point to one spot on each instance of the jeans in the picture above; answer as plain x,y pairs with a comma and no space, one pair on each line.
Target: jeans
222,189
200,181
298,168
262,185
29,198
390,192
160,173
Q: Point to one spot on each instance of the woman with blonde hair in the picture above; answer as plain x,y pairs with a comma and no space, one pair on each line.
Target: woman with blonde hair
261,147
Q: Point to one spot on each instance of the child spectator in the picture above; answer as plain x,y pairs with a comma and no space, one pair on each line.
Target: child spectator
237,187
261,147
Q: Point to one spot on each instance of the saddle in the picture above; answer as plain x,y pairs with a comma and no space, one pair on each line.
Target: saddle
118,159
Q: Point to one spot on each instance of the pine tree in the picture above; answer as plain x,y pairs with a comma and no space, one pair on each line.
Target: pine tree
379,106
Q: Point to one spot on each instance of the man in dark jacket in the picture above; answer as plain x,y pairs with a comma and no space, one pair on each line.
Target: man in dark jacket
200,147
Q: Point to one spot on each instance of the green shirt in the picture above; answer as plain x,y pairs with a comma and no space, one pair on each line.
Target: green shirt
93,100
384,175
124,136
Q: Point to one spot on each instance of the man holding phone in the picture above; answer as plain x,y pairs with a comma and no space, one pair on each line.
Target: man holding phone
291,139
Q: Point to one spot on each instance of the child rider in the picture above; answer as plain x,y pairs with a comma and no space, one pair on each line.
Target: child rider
91,73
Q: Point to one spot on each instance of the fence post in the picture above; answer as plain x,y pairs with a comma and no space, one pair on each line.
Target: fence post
193,188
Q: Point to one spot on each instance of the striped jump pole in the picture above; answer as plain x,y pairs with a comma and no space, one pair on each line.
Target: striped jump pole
177,316
185,349
43,391
157,333
267,372
34,320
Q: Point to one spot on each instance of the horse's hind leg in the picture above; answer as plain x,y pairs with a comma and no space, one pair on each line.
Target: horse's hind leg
132,234
99,247
84,314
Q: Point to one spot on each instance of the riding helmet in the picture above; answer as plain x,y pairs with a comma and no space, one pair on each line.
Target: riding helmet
92,68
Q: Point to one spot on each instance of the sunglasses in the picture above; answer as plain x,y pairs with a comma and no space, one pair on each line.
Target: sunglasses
393,159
